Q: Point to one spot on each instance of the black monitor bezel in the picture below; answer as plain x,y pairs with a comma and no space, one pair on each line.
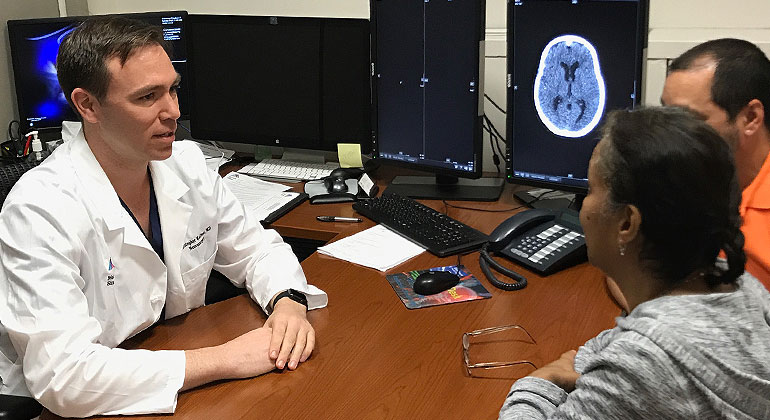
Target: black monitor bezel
18,66
641,44
478,138
230,136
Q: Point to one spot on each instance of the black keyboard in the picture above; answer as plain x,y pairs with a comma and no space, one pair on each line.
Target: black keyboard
10,173
439,233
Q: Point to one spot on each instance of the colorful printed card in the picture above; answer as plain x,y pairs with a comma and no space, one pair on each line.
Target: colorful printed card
469,288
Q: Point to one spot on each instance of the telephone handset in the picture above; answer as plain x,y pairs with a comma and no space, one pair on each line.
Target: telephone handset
516,225
543,241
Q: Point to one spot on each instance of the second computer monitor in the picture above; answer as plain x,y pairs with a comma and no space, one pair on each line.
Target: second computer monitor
428,81
295,82
570,62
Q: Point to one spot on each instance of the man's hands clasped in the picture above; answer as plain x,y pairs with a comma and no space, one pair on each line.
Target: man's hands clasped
286,340
293,338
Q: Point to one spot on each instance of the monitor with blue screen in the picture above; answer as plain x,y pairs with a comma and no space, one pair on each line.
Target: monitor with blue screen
34,45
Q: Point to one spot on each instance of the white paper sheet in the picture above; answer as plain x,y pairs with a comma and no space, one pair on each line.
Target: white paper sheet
376,247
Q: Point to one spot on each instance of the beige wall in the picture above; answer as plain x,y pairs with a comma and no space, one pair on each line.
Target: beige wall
709,14
674,28
16,9
317,8
75,7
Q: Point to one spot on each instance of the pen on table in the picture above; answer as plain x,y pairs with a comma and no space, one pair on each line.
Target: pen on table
338,219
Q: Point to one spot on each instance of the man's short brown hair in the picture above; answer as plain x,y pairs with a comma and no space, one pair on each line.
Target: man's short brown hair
83,54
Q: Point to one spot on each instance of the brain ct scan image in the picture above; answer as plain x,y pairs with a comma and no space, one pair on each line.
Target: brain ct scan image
569,87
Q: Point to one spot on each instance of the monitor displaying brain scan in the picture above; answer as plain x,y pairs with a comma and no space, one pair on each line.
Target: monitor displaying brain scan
570,62
569,87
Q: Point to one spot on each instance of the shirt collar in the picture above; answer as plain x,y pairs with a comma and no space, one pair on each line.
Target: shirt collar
757,194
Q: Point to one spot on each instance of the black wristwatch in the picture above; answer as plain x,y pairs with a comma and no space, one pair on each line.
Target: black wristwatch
292,294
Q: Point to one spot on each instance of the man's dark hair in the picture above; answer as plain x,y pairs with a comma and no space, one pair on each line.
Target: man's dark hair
742,73
83,54
679,173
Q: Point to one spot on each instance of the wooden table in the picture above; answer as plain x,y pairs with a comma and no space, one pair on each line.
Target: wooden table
374,358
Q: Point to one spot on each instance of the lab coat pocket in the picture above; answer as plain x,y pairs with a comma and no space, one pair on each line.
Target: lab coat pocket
195,281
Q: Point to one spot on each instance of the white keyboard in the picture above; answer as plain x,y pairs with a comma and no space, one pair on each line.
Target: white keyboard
288,170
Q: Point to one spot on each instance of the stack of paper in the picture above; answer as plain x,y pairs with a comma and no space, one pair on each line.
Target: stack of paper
376,247
260,197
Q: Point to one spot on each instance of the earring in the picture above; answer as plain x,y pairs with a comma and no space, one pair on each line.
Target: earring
622,248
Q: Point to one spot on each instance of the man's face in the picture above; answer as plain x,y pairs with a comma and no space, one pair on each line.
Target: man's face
691,89
137,117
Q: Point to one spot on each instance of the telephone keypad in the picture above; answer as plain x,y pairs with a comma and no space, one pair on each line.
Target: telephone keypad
547,246
540,247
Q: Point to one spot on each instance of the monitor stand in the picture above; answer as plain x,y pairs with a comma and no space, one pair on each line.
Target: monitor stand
553,203
305,156
443,187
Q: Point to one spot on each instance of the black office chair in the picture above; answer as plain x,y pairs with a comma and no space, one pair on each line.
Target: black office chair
13,407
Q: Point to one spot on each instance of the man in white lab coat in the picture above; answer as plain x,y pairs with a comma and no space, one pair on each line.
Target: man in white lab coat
121,226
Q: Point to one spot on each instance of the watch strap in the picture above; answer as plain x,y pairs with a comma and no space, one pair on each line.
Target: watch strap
292,294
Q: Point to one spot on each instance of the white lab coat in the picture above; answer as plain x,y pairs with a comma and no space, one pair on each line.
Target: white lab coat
78,277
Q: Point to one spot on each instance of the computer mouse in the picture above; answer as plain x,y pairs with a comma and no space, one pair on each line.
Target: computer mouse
432,282
335,184
339,173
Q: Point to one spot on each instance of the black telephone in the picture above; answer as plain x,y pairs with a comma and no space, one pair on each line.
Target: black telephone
543,241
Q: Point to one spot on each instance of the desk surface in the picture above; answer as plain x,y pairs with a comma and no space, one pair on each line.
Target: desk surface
374,358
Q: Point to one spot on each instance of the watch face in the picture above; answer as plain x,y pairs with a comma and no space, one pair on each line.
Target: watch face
298,297
292,294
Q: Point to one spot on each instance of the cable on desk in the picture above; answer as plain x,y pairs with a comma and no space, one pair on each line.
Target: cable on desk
486,261
484,210
446,212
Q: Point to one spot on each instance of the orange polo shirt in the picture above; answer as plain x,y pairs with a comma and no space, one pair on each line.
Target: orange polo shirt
755,210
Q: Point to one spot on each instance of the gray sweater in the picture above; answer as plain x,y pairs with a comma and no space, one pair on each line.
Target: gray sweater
674,357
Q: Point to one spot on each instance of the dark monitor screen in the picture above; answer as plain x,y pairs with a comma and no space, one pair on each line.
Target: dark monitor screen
34,46
570,62
281,81
427,66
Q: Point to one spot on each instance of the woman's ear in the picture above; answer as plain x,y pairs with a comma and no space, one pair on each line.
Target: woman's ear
86,104
629,224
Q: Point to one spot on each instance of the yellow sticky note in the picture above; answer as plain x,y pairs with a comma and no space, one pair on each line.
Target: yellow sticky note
349,155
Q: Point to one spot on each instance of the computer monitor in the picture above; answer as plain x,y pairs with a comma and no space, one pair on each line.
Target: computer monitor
34,46
429,96
295,82
569,63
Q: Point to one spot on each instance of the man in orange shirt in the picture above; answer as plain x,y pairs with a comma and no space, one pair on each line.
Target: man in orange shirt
727,83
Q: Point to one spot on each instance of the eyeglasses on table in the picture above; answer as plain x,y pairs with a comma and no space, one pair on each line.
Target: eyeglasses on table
468,337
